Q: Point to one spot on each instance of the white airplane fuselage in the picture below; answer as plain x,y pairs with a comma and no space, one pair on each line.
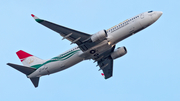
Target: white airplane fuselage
114,35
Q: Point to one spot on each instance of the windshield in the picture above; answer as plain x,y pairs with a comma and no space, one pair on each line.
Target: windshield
150,11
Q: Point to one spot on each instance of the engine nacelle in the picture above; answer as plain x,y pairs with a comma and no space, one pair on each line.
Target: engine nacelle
101,35
119,52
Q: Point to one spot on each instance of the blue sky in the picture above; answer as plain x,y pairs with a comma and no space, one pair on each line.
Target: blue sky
148,72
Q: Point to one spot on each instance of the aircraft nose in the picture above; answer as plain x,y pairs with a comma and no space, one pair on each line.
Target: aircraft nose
157,15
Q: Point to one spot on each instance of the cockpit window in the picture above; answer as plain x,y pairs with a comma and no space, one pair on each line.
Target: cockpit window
150,11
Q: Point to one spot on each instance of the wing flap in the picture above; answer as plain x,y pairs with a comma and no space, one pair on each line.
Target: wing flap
107,67
106,63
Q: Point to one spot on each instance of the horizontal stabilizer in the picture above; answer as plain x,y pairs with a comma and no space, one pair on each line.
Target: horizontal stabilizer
35,81
24,69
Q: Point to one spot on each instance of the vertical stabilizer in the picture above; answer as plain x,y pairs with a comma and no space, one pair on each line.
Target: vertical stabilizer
28,59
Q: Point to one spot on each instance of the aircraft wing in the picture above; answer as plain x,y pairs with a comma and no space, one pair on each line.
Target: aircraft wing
107,67
106,63
74,36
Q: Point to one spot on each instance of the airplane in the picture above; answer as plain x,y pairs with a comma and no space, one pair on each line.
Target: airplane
99,47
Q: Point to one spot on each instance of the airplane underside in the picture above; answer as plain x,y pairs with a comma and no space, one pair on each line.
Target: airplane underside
101,47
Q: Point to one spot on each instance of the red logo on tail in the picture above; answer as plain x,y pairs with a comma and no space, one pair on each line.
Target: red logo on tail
23,55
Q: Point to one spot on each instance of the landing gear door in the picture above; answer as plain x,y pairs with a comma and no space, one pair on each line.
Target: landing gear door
142,16
46,69
131,30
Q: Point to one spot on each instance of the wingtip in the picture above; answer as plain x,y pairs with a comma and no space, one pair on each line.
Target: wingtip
33,15
36,18
102,74
8,64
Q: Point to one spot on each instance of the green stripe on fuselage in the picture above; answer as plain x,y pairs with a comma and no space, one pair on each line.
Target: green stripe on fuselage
37,66
65,55
59,58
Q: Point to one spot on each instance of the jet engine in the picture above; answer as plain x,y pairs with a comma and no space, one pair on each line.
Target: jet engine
101,35
119,52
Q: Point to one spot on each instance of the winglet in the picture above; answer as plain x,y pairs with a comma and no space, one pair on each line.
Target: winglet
36,18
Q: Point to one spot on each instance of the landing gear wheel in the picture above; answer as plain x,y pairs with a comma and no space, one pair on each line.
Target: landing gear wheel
92,51
96,54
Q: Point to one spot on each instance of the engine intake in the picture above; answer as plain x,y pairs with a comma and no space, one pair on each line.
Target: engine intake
119,52
101,35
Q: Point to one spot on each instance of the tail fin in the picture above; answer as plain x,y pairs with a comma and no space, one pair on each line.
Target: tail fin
28,59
